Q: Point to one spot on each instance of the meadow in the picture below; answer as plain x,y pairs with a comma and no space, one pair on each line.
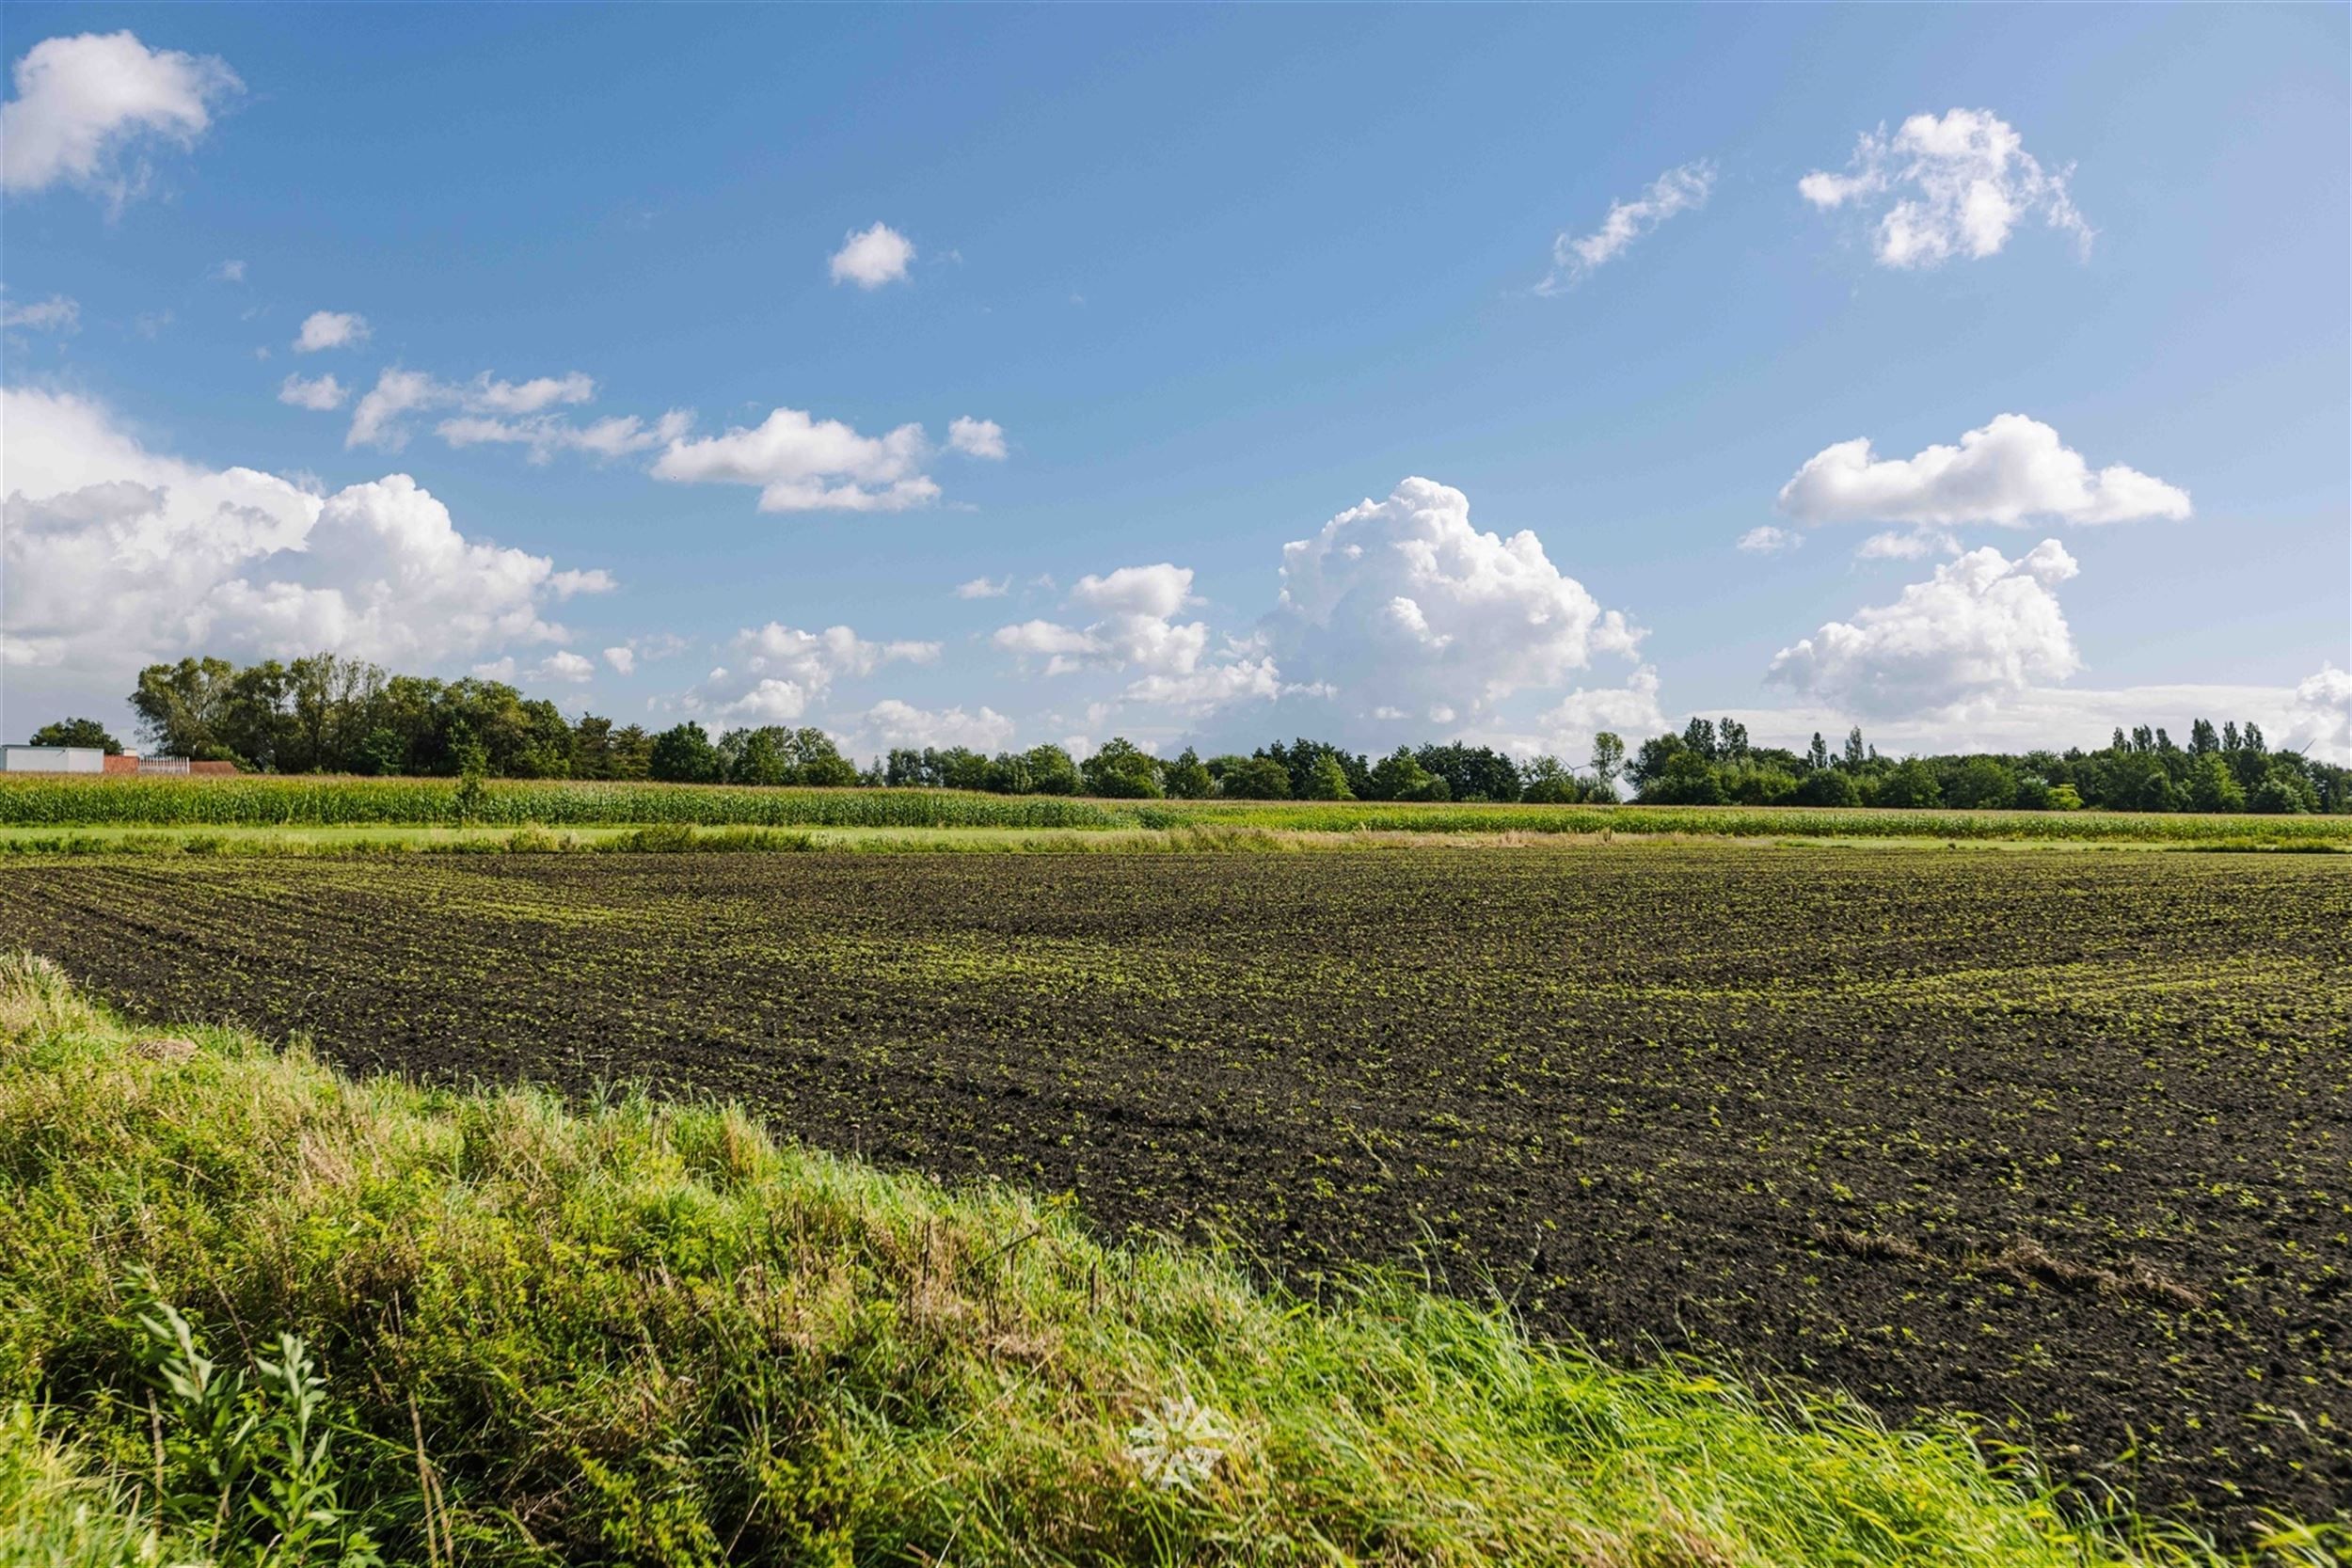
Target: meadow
2058,1147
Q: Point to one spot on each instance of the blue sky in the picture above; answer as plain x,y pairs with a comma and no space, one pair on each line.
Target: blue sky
1205,281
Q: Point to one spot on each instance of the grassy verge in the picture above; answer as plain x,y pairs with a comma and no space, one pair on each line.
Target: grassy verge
266,1314
34,809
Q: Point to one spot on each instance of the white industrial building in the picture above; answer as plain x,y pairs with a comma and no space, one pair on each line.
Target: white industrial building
52,759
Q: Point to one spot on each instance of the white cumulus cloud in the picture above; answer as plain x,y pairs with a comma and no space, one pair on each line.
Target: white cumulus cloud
326,329
872,257
1134,629
2011,471
323,394
1135,625
1630,711
977,438
1576,257
806,465
116,556
623,660
984,588
782,671
2319,724
892,723
1959,184
1404,604
1983,626
83,103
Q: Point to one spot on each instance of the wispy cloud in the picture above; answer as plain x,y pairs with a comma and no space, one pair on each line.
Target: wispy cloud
1577,257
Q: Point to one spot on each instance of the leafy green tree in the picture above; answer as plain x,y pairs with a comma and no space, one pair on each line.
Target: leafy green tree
1400,776
1051,771
632,752
382,753
1751,785
1649,763
1186,778
1544,781
1472,772
1122,770
1328,781
1608,759
1255,778
962,767
468,757
756,756
181,706
1828,786
2211,784
817,762
2033,794
2283,791
1303,760
77,731
1911,786
684,754
2156,794
1851,757
1688,780
1699,736
2065,798
1983,783
1816,755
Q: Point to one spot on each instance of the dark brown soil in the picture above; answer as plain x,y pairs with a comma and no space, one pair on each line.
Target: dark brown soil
2063,1139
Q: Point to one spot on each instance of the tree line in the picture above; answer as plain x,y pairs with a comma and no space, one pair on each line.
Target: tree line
2231,769
334,715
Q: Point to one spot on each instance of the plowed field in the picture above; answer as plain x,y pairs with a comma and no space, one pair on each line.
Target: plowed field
2063,1140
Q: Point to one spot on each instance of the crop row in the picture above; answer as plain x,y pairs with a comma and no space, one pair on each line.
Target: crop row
319,801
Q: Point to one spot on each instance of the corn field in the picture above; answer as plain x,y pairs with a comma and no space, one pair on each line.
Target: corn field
329,801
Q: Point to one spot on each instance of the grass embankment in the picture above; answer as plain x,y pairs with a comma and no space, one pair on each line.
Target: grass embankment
45,813
651,1335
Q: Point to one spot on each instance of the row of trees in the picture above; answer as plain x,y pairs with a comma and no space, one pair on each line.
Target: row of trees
2231,769
1301,770
327,714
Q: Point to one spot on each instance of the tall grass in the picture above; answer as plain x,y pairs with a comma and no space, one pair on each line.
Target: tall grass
647,1334
308,801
